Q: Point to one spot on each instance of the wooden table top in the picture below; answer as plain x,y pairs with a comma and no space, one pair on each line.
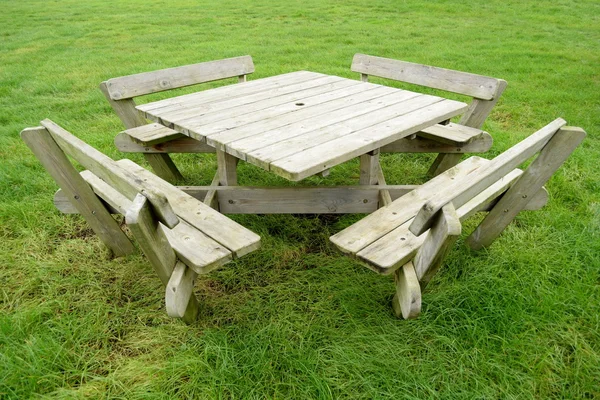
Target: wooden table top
301,123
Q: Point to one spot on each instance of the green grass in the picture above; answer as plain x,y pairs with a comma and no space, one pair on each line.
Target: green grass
295,319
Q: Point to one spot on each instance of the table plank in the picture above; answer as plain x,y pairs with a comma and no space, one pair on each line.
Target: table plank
223,92
179,112
290,144
329,154
199,119
218,135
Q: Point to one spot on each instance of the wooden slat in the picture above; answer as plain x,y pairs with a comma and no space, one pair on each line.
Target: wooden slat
233,236
221,133
274,200
464,189
229,91
196,249
481,87
151,134
327,155
41,143
396,248
455,134
156,81
263,148
233,107
366,231
359,118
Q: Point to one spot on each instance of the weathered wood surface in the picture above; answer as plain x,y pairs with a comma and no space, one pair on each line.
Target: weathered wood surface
125,110
273,200
270,120
192,246
106,168
151,134
396,248
336,151
169,203
551,157
466,188
228,233
77,191
156,247
126,87
179,296
407,299
442,235
405,145
481,87
454,134
366,231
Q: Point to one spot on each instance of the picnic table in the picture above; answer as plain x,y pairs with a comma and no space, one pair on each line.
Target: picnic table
296,125
302,123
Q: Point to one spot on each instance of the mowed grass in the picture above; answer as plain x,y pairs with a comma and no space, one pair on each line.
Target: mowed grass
296,319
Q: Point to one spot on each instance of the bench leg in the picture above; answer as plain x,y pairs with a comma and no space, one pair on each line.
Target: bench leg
442,235
163,166
407,299
77,190
554,153
156,247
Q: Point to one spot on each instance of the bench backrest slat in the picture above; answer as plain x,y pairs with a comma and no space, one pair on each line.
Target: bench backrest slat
477,86
130,86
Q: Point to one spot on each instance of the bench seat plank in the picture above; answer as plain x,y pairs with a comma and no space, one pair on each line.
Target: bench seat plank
366,231
452,133
228,233
197,250
151,134
272,145
327,155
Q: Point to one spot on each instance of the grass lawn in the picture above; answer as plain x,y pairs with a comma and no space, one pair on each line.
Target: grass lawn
296,319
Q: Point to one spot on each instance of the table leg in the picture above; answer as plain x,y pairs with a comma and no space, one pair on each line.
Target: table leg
226,168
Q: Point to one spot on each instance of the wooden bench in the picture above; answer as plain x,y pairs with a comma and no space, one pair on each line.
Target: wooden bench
181,236
484,90
120,93
411,236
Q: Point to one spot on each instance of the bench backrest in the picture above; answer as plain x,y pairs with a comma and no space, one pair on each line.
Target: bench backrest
120,91
484,90
127,87
554,142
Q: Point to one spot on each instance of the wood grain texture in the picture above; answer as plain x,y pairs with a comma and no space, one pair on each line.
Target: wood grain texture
551,157
154,244
381,222
80,195
179,291
151,134
473,85
442,235
466,188
126,87
407,299
197,250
